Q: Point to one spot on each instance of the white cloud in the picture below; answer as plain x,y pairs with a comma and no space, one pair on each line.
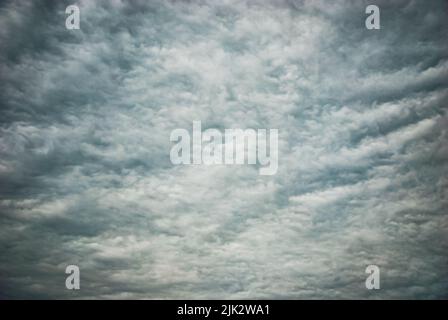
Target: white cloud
84,143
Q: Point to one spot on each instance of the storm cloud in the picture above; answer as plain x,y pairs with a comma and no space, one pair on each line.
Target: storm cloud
86,178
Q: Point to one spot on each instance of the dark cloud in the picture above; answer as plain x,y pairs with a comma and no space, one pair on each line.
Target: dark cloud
85,175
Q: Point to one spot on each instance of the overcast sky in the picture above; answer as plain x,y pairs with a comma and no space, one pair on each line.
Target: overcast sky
86,178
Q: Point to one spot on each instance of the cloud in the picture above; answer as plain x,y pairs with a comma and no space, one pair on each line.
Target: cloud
85,175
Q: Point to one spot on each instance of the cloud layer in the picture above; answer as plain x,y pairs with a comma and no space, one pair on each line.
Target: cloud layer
85,175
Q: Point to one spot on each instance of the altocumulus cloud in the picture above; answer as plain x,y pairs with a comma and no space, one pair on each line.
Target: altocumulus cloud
85,175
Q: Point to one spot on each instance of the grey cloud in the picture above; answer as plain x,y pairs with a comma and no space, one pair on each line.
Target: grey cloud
85,175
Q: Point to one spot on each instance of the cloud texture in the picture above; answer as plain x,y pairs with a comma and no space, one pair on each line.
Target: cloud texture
86,179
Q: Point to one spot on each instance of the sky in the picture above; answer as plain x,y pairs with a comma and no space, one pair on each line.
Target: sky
86,178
